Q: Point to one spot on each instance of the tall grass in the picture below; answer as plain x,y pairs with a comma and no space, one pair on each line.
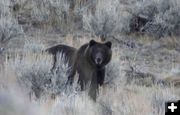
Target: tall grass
25,82
9,26
28,86
102,18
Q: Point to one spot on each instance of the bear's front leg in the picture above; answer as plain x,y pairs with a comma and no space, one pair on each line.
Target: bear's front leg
100,76
93,87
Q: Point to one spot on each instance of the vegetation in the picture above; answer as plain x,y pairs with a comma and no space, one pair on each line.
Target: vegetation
142,76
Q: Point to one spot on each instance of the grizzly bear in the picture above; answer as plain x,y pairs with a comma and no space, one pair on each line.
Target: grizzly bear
88,61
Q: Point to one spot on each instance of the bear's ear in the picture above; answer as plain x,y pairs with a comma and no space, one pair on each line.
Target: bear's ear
92,42
108,44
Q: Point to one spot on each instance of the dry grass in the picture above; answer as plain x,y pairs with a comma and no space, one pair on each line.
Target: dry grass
115,97
9,26
151,65
102,18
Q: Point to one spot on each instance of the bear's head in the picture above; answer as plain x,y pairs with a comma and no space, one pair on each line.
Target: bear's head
99,53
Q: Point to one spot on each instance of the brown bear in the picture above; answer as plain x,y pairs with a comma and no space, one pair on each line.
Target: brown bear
88,61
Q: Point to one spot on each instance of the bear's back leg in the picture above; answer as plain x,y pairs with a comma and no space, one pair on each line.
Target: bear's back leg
70,77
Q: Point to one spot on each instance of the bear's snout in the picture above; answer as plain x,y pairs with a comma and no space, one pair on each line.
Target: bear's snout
98,59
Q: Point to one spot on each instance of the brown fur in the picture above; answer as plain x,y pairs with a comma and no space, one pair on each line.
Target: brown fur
82,62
